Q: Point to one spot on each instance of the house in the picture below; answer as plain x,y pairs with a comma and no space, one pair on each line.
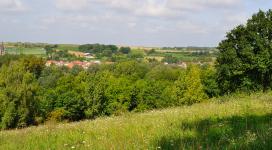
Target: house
81,54
85,64
88,55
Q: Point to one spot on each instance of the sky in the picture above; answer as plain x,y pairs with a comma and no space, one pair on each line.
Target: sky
124,22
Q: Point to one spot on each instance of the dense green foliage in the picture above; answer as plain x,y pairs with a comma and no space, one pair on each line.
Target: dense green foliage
170,59
49,49
245,57
32,93
18,94
64,55
125,50
99,49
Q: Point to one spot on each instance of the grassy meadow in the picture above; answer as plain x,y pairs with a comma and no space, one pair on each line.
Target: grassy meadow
233,122
71,47
26,51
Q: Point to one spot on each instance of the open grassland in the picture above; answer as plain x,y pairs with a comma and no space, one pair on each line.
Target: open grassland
26,51
238,122
68,47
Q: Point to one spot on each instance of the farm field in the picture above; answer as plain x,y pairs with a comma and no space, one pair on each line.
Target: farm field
27,51
159,54
71,47
230,122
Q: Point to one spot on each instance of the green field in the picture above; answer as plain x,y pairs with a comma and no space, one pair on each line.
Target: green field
237,122
27,51
69,47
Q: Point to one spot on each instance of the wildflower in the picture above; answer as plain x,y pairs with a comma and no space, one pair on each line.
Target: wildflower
73,147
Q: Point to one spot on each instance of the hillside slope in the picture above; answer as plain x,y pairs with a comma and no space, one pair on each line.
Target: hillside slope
240,122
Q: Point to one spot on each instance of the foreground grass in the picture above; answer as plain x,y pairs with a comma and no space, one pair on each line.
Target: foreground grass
241,122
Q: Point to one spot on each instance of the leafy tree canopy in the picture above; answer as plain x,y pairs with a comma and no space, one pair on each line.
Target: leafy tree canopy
245,56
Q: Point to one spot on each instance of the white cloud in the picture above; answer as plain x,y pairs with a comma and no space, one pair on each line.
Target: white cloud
166,7
139,7
192,27
71,4
154,8
11,6
68,20
179,22
201,4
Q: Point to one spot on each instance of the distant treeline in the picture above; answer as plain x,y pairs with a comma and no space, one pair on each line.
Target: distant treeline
190,48
27,44
97,48
103,50
31,93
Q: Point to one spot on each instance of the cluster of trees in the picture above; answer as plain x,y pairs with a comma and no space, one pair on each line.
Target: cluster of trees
201,53
50,49
64,55
101,50
53,53
170,59
189,48
31,93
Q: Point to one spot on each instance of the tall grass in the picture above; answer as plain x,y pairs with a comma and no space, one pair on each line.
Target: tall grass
240,122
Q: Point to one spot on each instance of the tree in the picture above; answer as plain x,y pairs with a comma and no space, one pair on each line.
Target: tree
33,64
189,87
208,79
152,51
132,69
245,56
49,49
163,72
125,50
97,100
170,59
18,95
10,116
68,95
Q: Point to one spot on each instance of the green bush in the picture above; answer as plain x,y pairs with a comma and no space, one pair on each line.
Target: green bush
57,115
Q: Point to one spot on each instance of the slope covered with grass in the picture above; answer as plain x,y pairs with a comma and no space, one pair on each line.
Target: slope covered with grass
239,122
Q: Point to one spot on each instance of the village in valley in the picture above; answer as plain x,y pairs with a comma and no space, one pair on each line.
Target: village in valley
84,56
70,64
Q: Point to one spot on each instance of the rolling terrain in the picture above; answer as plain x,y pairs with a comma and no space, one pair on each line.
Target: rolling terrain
231,122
